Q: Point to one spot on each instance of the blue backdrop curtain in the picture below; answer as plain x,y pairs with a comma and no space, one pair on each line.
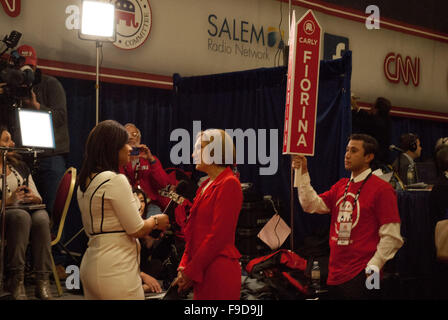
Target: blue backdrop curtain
255,99
150,109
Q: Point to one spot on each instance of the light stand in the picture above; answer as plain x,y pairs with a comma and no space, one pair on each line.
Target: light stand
97,83
3,294
97,24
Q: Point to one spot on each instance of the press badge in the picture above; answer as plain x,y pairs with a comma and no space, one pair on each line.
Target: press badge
345,223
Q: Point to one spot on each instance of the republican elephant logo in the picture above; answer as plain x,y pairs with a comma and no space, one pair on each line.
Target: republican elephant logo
125,10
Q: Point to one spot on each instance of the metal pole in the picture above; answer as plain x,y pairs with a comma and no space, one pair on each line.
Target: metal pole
3,215
97,85
289,15
291,205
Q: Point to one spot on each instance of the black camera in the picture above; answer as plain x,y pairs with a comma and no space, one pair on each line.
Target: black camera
135,151
19,78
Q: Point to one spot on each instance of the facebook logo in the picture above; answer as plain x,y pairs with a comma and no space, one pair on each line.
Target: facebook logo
334,46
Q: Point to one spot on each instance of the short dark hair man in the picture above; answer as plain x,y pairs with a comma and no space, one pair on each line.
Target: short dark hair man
412,149
365,224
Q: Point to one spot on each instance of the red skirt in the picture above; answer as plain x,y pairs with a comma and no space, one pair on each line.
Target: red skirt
222,281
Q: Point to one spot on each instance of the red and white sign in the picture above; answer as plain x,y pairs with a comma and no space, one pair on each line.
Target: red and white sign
405,70
11,7
302,87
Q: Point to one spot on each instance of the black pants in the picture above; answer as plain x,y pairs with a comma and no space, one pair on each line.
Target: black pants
354,289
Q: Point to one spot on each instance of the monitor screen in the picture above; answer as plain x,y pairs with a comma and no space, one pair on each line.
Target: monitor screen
36,128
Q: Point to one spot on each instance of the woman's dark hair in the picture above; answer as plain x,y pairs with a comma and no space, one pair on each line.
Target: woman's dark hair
138,191
102,147
10,158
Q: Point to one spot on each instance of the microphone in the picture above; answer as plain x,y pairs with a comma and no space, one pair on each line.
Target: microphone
393,147
176,198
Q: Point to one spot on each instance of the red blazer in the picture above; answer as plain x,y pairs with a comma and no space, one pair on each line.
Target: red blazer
210,230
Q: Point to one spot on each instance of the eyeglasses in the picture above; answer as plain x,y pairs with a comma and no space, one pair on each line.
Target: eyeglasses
134,134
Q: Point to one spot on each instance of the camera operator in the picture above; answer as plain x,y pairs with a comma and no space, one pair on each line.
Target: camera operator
49,95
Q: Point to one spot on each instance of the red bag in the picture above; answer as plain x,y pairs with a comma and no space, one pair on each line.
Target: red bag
282,257
280,268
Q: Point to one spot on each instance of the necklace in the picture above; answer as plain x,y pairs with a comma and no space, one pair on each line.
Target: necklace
17,178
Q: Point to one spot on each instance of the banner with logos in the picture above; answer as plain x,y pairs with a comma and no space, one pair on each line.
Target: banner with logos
198,37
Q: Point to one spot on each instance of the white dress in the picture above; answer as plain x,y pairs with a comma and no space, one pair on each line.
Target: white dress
110,268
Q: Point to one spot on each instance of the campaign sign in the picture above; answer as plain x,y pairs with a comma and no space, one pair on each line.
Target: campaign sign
302,86
11,7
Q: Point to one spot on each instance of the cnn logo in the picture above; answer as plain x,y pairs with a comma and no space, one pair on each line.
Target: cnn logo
396,68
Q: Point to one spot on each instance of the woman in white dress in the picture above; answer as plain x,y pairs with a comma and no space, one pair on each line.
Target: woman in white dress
111,219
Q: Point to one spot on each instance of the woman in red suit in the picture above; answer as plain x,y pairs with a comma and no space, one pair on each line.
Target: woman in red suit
210,262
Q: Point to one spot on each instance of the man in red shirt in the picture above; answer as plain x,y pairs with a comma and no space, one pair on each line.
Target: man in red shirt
145,171
365,223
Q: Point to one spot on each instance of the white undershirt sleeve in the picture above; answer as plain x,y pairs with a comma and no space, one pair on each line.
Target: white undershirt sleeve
390,242
308,197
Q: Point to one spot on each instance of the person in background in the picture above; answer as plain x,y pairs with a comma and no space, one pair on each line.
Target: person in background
438,204
110,267
49,95
143,200
144,170
440,143
365,223
150,284
377,123
24,226
210,262
404,165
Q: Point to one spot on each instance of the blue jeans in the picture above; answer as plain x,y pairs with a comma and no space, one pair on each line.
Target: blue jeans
48,176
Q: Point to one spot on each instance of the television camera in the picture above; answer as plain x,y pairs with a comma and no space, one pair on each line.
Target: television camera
18,78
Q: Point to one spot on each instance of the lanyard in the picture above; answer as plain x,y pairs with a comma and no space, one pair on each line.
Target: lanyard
359,190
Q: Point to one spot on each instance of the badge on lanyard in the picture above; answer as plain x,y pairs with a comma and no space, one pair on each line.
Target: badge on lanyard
345,215
345,223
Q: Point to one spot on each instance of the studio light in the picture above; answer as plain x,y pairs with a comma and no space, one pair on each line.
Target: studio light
98,24
97,21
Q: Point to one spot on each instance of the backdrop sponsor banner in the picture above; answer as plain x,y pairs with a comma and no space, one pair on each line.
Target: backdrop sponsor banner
199,37
302,87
